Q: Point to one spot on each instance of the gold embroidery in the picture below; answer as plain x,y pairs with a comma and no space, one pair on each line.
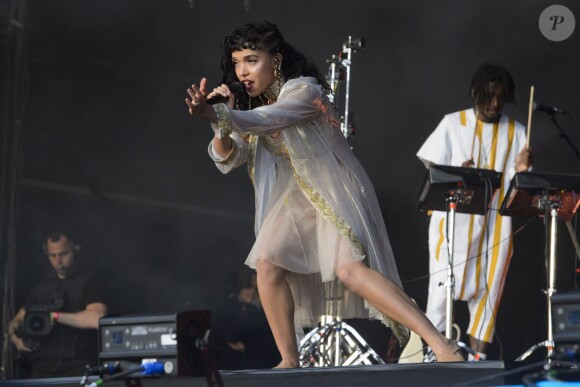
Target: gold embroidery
277,147
272,92
399,330
252,142
329,214
224,123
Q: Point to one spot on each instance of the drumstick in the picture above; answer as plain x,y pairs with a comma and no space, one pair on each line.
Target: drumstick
530,109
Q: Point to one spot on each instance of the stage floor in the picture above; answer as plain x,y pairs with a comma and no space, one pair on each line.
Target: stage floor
428,374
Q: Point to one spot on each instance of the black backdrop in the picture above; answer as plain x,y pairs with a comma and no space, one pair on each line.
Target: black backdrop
105,115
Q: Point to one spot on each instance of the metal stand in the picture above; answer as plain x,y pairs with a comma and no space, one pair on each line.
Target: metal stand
457,190
452,201
339,66
555,197
334,342
552,207
564,135
450,283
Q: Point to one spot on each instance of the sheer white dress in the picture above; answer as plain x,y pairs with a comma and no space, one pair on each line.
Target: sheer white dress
315,206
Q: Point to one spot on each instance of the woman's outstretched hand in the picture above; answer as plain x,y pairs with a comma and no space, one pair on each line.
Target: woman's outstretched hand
197,102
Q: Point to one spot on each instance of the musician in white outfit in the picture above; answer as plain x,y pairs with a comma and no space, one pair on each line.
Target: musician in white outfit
479,137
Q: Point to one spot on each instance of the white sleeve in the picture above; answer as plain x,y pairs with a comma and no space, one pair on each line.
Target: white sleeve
520,142
237,156
299,101
437,147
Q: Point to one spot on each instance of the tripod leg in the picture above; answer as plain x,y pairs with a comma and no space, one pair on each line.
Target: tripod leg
533,349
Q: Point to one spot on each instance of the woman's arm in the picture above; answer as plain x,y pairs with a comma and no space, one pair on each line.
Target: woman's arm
299,102
222,146
237,155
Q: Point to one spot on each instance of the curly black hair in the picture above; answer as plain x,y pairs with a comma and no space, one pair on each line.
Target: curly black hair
489,73
263,35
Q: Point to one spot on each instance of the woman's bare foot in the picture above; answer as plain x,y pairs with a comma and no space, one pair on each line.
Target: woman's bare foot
451,352
287,364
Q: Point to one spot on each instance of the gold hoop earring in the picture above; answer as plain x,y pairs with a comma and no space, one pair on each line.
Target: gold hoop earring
278,71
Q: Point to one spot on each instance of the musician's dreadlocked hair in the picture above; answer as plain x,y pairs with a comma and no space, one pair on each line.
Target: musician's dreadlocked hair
489,73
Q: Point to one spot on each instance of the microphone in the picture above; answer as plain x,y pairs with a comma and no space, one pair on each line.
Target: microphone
548,109
238,88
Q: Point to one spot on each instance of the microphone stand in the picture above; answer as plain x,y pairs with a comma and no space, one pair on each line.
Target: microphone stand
334,342
339,69
564,135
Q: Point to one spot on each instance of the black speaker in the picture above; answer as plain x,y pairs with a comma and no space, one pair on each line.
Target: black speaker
566,323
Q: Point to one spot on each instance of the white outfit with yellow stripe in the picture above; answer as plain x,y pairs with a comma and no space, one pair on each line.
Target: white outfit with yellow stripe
481,258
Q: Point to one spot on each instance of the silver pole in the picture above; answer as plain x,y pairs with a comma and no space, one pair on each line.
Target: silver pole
552,279
346,63
450,277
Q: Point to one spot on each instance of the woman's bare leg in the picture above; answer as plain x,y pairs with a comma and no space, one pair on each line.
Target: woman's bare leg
392,301
278,305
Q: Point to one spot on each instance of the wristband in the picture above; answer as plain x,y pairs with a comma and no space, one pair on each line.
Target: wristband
55,316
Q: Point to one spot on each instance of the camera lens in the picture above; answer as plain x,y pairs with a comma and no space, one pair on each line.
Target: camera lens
36,324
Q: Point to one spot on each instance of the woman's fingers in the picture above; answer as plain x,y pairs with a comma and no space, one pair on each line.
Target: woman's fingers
198,96
193,92
222,90
202,88
194,100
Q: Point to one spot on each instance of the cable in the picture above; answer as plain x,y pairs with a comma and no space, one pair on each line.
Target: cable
488,192
427,276
152,368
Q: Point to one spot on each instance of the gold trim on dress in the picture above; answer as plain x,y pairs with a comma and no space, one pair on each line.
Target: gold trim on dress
276,147
224,122
329,214
252,142
399,330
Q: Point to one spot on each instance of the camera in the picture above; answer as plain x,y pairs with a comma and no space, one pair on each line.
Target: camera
37,322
